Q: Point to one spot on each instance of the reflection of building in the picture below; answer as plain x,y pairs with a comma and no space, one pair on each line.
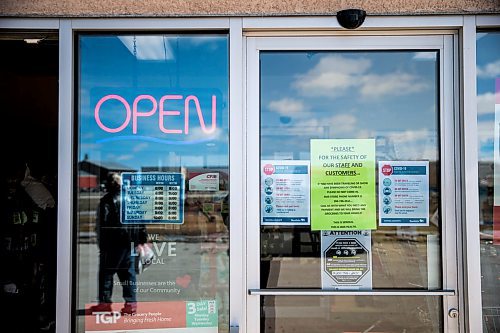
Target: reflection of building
486,193
99,169
87,181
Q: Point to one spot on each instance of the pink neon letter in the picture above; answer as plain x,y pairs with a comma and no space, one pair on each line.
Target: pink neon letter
200,116
98,119
136,113
163,113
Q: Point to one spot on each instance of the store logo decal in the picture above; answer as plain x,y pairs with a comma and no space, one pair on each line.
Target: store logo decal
107,317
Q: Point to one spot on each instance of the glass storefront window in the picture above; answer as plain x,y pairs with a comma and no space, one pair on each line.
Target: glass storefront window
488,110
152,186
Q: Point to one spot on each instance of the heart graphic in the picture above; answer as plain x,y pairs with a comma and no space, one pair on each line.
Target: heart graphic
183,281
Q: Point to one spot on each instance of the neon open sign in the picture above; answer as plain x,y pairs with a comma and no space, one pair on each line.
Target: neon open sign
162,111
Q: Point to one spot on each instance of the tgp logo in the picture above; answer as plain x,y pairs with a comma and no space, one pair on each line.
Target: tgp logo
107,317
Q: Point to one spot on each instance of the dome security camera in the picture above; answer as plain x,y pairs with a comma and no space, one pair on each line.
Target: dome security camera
351,18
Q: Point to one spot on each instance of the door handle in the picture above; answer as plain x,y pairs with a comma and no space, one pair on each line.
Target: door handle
374,292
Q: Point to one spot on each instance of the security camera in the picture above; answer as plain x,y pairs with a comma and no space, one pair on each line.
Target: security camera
351,18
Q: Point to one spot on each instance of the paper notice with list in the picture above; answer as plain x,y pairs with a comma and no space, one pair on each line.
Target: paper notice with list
284,192
403,193
152,197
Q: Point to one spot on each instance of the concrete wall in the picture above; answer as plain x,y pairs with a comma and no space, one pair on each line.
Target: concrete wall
171,8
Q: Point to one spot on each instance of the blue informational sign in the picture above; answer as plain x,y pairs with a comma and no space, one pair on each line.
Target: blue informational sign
152,197
285,192
403,193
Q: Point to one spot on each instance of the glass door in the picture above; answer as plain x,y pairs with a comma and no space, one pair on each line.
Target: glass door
351,184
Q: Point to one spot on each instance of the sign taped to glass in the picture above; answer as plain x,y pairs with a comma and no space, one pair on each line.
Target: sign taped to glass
152,197
403,193
174,316
343,184
346,259
285,192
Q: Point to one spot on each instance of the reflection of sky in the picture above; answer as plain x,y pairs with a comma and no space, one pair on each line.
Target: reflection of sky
390,96
155,65
488,68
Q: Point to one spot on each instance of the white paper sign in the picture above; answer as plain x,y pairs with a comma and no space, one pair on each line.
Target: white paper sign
403,193
208,181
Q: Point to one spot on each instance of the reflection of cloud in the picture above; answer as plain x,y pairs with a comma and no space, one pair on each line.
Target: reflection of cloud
191,160
425,56
331,76
287,106
140,147
197,133
149,47
485,131
490,70
414,144
86,147
410,135
334,74
343,123
199,40
124,157
114,157
311,126
390,84
486,103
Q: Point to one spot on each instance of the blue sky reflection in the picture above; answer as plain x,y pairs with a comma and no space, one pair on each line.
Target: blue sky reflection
387,95
488,68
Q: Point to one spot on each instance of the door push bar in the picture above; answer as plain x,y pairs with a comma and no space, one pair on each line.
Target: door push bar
374,292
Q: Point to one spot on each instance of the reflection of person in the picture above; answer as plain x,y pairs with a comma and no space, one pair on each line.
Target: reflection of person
115,243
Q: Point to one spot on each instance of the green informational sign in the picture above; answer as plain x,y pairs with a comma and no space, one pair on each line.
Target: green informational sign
201,314
343,193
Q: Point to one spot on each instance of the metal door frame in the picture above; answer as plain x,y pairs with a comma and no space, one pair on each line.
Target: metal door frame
436,40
